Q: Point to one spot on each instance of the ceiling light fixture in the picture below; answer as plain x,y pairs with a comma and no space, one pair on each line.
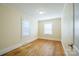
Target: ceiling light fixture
41,12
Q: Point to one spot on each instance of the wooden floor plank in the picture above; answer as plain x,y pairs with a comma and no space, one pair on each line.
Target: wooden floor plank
39,47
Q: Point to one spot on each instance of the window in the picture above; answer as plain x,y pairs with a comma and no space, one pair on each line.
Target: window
48,28
25,28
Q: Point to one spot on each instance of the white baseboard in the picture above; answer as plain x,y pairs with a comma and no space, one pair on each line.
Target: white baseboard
48,38
64,49
17,45
74,52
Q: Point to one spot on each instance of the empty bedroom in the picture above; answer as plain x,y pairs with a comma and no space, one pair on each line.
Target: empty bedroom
36,29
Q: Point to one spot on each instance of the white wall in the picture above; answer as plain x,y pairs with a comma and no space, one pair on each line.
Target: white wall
56,31
10,29
33,29
0,25
10,25
76,24
67,28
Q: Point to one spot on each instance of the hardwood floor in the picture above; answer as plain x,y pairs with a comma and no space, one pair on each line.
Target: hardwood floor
39,47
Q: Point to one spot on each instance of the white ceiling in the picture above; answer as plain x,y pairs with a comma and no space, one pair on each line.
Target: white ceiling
33,10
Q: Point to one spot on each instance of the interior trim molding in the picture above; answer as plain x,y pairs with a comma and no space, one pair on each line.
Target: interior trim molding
48,38
64,49
18,44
